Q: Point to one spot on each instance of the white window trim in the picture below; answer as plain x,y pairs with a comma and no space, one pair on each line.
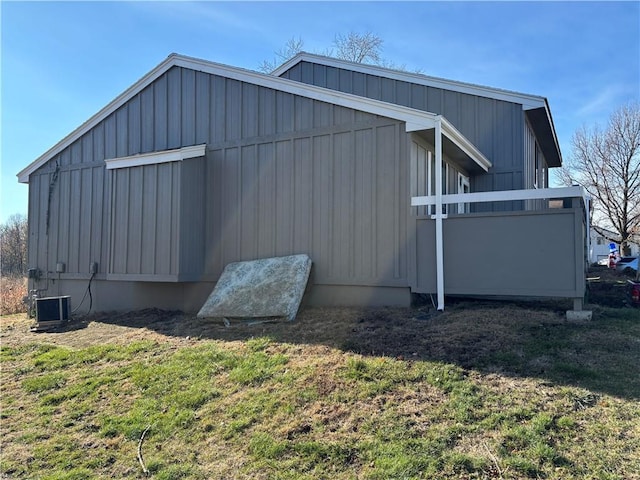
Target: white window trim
153,158
463,181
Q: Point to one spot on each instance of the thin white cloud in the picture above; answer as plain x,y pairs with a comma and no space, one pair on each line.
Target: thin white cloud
211,15
602,102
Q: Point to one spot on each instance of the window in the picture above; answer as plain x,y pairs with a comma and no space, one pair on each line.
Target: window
431,171
423,176
463,187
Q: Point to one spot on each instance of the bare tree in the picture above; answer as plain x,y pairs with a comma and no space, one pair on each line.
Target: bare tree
291,48
13,246
607,164
358,47
354,47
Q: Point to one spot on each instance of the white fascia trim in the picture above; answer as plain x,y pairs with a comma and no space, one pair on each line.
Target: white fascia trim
414,119
133,90
153,158
465,145
526,100
553,128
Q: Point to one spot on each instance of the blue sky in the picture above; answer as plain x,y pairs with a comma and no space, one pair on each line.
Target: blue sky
64,61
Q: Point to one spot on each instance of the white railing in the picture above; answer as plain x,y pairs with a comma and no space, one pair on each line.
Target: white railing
503,196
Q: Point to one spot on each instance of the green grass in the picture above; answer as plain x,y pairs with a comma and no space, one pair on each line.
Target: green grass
265,408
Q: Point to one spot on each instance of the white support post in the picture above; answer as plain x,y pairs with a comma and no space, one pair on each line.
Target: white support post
587,206
439,216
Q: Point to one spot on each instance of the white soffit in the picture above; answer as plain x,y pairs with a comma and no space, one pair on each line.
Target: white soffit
465,145
153,158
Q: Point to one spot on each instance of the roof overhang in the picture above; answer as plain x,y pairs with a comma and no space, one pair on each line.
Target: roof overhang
536,107
542,125
415,120
457,148
526,100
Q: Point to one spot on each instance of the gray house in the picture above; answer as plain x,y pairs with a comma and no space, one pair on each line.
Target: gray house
200,164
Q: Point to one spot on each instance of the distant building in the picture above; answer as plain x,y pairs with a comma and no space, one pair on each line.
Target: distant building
599,251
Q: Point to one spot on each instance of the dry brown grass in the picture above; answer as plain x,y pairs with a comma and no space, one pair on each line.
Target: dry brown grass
12,291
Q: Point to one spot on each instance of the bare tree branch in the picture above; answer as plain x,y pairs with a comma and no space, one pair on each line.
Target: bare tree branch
607,164
358,47
353,46
291,48
13,246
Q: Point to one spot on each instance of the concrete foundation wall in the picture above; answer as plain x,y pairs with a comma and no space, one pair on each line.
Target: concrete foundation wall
109,295
357,296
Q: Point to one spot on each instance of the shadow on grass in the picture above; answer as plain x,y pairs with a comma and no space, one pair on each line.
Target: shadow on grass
516,339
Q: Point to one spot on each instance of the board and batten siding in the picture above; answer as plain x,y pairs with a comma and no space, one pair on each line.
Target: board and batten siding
496,127
282,174
145,221
339,196
68,219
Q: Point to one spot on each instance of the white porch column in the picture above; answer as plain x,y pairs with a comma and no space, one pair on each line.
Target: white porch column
438,215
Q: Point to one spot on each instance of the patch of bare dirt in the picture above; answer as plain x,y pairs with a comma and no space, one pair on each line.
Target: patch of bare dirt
607,287
81,332
465,332
526,339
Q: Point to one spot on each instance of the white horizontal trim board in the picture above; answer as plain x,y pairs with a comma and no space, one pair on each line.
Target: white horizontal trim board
501,196
153,158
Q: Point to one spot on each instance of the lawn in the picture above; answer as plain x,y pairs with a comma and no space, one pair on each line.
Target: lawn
483,390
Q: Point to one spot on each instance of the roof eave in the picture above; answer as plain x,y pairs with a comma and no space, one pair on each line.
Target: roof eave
414,119
535,107
545,132
465,145
526,100
23,175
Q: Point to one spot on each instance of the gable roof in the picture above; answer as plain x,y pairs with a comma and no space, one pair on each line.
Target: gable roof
527,101
415,120
536,107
